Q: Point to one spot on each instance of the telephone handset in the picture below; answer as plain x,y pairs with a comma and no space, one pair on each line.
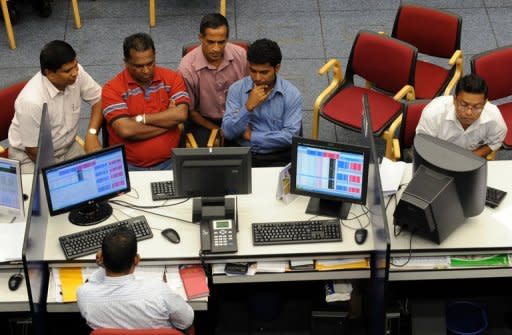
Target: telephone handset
218,236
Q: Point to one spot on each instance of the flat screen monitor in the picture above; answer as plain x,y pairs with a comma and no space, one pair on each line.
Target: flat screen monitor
212,173
11,192
334,175
468,170
82,185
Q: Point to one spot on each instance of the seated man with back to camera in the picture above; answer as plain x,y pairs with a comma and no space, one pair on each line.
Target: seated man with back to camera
114,298
263,110
466,119
62,84
143,106
208,71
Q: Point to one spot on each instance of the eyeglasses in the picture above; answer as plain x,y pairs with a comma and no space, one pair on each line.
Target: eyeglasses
463,106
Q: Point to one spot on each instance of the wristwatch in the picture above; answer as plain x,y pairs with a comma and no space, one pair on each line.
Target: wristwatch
139,118
92,131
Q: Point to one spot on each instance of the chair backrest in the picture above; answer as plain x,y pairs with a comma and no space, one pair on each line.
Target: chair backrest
191,46
8,96
158,331
495,67
410,119
434,32
386,62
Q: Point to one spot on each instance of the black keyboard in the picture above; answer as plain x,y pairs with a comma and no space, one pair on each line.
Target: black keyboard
164,190
493,196
296,232
89,241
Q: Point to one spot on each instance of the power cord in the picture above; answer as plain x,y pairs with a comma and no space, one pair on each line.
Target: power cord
410,253
144,209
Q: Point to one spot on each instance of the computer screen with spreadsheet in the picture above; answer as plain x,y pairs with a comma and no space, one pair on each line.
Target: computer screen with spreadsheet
81,185
11,194
334,175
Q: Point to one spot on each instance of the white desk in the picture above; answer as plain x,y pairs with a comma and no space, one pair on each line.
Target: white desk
487,233
260,206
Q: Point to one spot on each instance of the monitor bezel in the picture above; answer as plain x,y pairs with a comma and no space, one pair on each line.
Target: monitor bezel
339,147
76,160
21,206
182,155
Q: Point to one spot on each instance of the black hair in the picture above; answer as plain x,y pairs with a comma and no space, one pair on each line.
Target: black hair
472,83
119,249
137,42
55,54
264,51
213,21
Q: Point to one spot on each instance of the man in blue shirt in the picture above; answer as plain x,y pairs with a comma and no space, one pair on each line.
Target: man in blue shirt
263,110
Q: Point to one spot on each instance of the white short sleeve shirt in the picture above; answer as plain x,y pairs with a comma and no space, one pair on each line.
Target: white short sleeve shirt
63,110
439,119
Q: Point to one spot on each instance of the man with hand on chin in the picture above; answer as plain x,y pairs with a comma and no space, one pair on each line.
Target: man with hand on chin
263,110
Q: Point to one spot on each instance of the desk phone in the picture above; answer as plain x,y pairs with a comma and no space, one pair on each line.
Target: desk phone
218,236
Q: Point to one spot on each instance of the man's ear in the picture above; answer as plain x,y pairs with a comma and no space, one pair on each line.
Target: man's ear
99,258
278,67
136,260
199,37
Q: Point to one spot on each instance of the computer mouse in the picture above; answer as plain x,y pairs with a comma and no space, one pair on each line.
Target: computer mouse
171,235
15,281
360,235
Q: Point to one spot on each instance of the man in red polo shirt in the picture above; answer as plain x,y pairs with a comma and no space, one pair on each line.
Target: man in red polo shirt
143,106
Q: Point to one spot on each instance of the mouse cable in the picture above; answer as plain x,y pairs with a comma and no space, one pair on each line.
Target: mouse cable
128,205
408,257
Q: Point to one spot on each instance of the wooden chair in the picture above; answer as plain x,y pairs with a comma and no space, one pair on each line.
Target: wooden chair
435,33
152,11
8,96
387,65
8,25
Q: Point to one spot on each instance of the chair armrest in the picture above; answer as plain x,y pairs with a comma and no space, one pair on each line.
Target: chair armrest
337,78
80,141
491,156
215,135
390,136
191,141
407,91
2,150
457,60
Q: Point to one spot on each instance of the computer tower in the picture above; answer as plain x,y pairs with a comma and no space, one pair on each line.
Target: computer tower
430,206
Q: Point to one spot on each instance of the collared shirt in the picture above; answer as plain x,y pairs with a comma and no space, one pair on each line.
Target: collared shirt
273,123
123,97
208,85
130,303
439,119
63,110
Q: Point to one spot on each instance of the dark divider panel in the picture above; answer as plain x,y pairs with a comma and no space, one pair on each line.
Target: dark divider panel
36,270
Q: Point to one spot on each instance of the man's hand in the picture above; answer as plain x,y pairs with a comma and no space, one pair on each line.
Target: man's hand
483,151
92,143
247,134
256,97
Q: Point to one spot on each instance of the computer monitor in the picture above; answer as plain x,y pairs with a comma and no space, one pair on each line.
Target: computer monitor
334,175
11,191
449,185
82,185
212,173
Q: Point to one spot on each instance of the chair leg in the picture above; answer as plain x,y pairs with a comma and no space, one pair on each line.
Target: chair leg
8,25
223,7
76,14
152,18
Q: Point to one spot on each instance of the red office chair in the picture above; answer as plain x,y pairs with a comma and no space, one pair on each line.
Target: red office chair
435,33
215,139
387,65
8,96
409,121
495,67
158,331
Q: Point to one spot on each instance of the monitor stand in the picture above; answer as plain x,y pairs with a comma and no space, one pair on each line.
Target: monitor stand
90,214
332,208
212,208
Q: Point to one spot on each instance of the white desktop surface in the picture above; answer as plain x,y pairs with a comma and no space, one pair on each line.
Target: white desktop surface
260,206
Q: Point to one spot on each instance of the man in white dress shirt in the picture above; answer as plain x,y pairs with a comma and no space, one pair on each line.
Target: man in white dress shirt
114,298
466,119
62,84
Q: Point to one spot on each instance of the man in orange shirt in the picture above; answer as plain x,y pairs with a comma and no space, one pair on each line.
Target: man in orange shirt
143,106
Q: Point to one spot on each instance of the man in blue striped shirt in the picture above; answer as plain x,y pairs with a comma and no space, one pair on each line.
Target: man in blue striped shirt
263,110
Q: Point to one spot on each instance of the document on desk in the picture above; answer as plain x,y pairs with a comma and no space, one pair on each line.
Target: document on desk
420,262
11,240
341,264
391,174
274,267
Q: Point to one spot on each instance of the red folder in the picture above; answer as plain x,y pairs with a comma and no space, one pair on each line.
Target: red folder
194,281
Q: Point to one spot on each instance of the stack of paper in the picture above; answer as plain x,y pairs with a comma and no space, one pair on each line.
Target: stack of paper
275,266
391,174
421,262
480,260
341,264
11,240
